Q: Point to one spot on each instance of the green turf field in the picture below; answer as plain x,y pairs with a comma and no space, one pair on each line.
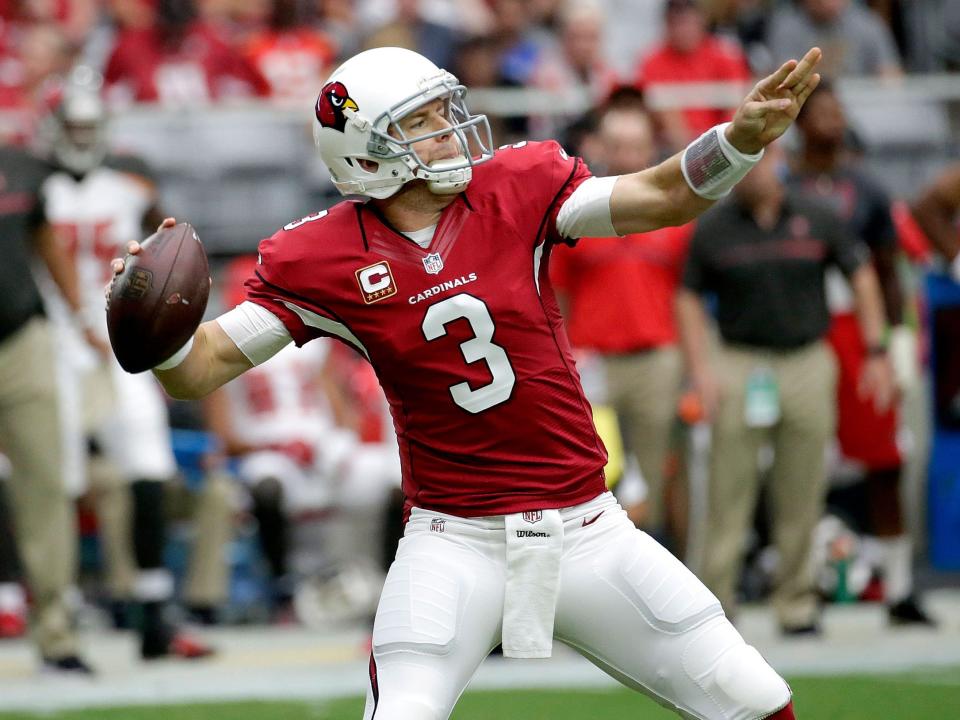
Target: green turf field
931,695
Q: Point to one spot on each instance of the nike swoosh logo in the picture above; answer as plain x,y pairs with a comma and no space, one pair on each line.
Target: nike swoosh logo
592,520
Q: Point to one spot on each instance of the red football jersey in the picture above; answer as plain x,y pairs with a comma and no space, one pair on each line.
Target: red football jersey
465,335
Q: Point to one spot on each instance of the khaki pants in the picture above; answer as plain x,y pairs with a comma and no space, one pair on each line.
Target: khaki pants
643,388
806,379
209,511
43,514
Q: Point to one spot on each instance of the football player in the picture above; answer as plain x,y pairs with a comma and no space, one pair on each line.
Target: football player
95,203
438,276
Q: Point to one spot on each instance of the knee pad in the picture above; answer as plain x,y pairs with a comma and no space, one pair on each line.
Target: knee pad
734,674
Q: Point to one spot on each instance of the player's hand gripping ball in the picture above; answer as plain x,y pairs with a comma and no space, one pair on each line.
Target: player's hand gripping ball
157,302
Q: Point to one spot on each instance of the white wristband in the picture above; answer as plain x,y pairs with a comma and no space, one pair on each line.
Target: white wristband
178,357
955,269
712,166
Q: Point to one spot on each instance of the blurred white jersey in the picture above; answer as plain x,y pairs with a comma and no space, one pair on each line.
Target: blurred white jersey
280,401
94,217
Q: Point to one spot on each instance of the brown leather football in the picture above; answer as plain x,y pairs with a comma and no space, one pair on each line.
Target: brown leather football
158,301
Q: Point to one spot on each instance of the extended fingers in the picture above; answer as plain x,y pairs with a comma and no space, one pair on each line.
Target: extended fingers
775,81
758,109
800,75
811,85
168,222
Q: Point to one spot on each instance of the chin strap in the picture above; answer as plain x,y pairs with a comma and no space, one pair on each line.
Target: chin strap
446,182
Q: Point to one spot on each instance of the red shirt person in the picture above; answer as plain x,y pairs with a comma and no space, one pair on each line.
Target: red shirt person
177,61
690,54
618,295
293,56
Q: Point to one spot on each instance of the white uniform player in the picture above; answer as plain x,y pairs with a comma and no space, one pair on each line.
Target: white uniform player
96,204
280,406
95,215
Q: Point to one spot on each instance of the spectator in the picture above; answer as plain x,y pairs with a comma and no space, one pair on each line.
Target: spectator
690,54
179,60
619,297
773,379
867,436
293,56
632,28
40,53
411,30
339,20
745,21
522,44
578,61
854,40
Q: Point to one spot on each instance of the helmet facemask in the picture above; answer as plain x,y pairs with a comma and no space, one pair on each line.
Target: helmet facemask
471,132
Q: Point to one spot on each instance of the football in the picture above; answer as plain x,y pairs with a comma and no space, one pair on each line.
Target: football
158,301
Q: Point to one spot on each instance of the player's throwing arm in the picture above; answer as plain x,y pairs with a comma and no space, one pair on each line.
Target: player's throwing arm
154,309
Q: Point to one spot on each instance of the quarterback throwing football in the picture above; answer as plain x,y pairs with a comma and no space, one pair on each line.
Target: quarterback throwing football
437,274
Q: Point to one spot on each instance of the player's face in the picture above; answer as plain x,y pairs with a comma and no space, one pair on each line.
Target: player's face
430,118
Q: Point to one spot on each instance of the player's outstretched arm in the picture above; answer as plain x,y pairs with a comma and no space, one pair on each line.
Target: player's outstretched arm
683,186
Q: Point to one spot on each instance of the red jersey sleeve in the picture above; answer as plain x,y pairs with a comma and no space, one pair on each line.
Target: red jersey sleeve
543,176
271,288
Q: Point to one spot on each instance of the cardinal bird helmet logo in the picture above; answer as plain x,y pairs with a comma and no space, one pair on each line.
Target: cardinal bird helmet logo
331,103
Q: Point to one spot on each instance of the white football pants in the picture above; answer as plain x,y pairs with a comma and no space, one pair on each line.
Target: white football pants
624,602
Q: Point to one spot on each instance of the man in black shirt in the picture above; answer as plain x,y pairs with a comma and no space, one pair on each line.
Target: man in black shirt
772,379
30,433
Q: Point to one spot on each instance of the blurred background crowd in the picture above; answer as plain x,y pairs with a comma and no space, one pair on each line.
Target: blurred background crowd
280,494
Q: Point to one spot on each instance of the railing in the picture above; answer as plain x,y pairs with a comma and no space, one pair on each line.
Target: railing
239,171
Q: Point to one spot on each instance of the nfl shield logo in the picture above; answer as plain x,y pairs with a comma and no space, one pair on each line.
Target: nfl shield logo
433,263
533,516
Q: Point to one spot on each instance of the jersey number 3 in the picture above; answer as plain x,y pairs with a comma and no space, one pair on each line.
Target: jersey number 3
479,347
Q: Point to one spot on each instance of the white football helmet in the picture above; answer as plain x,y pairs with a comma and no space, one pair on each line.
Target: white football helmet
367,95
74,131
